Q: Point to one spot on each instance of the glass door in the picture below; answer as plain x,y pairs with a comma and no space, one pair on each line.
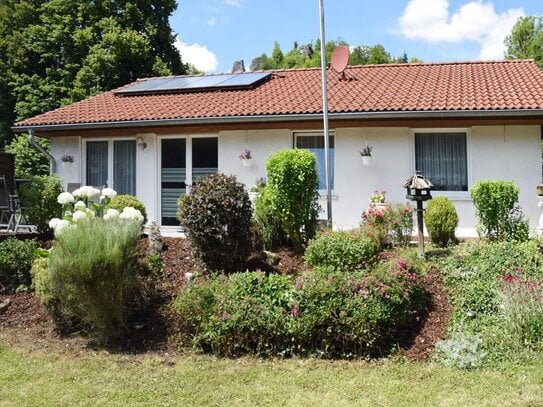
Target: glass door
173,178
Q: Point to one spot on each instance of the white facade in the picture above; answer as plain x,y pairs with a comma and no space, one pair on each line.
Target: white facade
510,153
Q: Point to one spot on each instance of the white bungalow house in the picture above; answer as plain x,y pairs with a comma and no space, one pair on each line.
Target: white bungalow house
455,122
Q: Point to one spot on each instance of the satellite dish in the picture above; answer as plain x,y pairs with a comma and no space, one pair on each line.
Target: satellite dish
340,59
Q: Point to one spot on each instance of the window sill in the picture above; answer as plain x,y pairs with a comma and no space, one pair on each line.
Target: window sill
322,194
453,195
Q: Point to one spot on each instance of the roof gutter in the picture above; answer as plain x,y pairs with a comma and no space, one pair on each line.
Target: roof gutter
439,114
52,161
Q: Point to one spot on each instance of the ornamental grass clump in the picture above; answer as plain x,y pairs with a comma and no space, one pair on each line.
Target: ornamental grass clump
93,274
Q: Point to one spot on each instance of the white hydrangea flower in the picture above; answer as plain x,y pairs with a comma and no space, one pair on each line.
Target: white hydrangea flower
53,223
65,198
87,192
109,192
90,213
130,213
79,216
111,214
61,226
80,205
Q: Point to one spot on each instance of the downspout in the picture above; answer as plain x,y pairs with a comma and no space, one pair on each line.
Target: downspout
52,161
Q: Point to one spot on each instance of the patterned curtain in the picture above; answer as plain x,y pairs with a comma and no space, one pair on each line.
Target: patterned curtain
124,166
442,158
97,163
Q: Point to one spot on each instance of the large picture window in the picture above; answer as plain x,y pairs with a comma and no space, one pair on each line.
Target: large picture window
314,142
442,158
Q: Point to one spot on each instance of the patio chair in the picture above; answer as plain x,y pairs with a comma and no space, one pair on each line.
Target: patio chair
18,219
5,213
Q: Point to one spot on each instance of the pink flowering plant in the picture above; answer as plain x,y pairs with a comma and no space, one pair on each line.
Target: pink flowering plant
391,225
378,197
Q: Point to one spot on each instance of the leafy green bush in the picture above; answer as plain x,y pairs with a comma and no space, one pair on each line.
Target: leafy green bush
93,273
16,261
498,211
324,313
40,201
217,215
293,193
268,221
441,221
401,224
120,202
342,250
28,160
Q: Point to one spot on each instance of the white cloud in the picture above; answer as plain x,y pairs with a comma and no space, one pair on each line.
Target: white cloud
235,3
198,55
477,21
211,21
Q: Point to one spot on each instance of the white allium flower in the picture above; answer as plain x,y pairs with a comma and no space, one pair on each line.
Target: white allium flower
109,192
79,215
80,205
111,214
130,213
87,192
65,198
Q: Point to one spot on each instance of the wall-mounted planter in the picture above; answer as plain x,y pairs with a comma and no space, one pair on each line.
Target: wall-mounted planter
366,159
246,162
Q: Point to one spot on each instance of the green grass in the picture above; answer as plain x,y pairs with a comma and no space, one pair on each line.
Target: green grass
35,379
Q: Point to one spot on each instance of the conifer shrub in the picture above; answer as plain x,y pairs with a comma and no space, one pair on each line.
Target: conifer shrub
93,274
342,250
441,221
120,202
217,215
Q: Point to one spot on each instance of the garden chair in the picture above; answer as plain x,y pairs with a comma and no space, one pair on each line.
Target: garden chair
18,218
5,213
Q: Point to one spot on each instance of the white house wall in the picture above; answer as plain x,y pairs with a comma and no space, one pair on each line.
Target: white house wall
494,153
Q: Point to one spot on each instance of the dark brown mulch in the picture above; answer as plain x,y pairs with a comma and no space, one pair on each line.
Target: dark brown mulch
26,324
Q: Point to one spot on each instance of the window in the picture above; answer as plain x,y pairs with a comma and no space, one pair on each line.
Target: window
314,142
442,158
112,160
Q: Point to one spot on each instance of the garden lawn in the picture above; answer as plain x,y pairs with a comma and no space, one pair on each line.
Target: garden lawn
29,378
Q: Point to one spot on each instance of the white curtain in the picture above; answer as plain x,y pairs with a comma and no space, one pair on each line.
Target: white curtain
442,158
97,163
124,166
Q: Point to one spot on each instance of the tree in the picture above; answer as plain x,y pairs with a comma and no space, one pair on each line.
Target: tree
526,40
55,52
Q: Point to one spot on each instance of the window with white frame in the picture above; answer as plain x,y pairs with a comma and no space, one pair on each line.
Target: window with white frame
111,163
314,142
442,158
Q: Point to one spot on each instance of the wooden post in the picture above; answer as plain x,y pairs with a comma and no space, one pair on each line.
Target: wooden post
420,224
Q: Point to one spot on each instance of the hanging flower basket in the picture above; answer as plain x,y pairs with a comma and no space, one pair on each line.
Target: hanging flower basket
366,159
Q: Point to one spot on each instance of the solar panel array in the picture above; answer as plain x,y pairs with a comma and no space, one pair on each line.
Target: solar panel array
195,83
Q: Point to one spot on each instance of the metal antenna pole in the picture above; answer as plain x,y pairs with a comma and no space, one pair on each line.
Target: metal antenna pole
325,119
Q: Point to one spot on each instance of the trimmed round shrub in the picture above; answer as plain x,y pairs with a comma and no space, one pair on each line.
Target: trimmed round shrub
342,250
217,215
120,202
16,261
441,221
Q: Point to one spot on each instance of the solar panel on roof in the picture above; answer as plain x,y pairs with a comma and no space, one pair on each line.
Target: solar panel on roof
193,83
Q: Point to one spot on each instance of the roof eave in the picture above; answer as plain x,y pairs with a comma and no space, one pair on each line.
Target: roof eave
432,114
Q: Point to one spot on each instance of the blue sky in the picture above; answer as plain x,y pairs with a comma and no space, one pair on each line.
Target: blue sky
212,34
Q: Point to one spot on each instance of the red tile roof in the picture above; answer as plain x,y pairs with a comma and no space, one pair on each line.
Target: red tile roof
462,86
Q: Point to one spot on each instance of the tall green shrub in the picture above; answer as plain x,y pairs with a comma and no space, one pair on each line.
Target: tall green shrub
293,187
441,221
217,215
40,201
93,273
28,160
499,215
268,221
